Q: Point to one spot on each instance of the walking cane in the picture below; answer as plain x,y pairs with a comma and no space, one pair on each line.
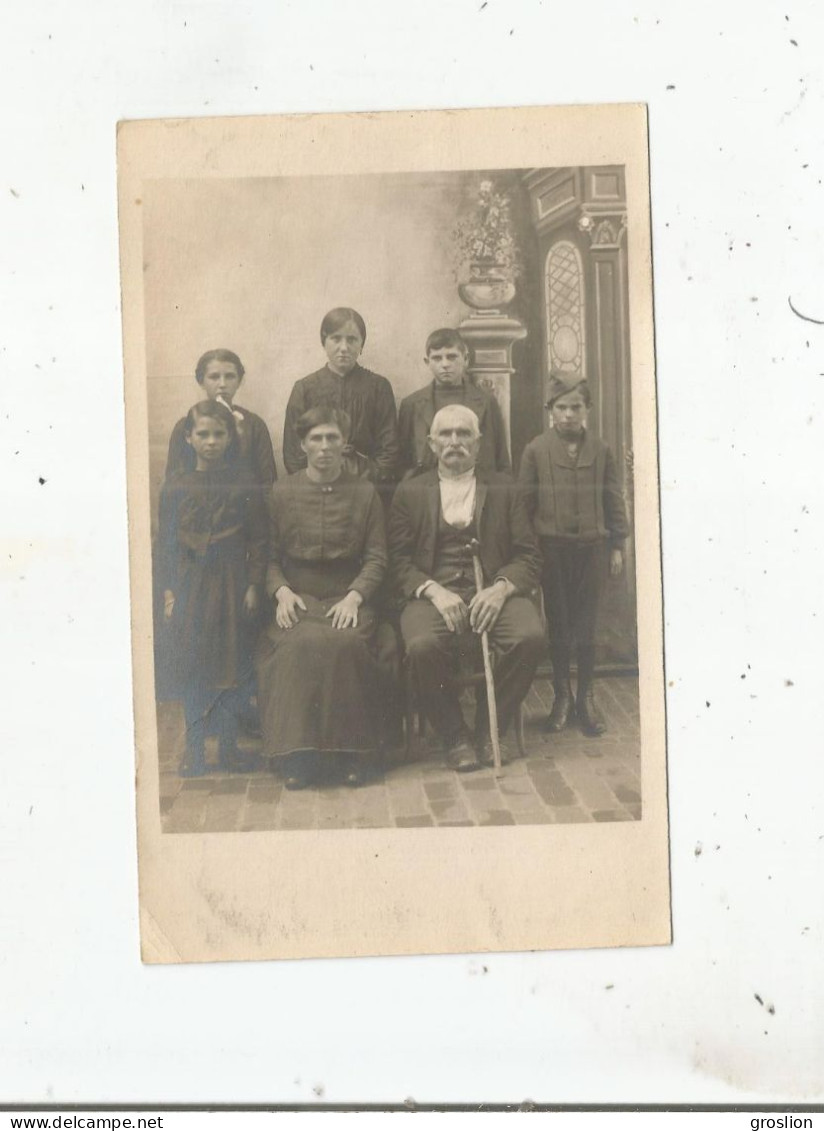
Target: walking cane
475,549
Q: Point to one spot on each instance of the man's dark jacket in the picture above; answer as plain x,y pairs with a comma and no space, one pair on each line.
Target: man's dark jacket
508,546
415,418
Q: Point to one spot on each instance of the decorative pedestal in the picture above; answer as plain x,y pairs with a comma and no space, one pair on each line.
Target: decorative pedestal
490,335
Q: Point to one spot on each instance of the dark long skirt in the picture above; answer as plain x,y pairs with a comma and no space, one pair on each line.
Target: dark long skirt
317,684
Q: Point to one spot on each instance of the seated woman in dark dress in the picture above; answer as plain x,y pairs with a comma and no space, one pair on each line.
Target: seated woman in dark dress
315,669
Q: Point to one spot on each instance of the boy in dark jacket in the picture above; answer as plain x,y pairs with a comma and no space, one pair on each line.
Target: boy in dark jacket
577,509
447,358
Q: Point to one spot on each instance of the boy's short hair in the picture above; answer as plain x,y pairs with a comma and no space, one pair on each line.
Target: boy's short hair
217,355
323,414
560,384
444,338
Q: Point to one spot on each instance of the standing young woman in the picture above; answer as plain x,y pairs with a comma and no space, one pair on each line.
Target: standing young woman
366,398
220,374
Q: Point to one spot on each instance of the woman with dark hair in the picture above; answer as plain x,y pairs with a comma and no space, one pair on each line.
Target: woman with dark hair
210,569
367,398
316,674
220,373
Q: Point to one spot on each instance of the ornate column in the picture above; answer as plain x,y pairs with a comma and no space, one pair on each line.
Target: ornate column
605,228
491,334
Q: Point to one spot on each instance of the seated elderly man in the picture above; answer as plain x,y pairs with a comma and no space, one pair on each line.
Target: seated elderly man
434,518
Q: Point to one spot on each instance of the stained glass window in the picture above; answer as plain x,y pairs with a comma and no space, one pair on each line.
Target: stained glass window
564,296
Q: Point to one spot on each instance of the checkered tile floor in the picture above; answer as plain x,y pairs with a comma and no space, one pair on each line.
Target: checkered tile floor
565,778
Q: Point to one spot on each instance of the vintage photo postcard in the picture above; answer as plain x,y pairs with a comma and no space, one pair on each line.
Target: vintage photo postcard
394,530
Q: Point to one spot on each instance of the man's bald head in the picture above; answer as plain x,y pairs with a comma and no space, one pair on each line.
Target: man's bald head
455,437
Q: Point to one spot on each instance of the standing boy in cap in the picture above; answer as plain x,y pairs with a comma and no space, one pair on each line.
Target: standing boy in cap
574,500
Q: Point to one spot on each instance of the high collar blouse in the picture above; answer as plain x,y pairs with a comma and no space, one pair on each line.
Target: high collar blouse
327,522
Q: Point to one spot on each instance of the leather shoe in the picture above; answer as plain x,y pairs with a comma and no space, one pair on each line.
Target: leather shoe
487,758
299,769
462,758
590,718
563,710
355,774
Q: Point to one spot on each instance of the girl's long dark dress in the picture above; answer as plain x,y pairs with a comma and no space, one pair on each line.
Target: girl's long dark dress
212,547
317,684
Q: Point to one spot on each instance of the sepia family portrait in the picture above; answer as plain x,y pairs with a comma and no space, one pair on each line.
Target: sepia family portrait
389,535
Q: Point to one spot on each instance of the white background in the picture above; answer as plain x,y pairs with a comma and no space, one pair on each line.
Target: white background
737,158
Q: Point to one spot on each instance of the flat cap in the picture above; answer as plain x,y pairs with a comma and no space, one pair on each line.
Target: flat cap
562,383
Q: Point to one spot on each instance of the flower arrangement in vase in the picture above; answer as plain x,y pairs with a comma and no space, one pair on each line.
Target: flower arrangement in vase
486,246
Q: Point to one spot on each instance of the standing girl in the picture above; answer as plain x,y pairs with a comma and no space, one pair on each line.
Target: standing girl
220,374
212,562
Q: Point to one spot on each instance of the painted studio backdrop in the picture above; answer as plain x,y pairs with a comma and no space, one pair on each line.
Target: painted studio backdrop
252,265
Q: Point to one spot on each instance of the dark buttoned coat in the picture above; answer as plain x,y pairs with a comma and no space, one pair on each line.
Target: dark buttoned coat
415,418
573,500
508,545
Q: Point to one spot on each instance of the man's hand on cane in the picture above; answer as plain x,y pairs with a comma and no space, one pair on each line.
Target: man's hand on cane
485,607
